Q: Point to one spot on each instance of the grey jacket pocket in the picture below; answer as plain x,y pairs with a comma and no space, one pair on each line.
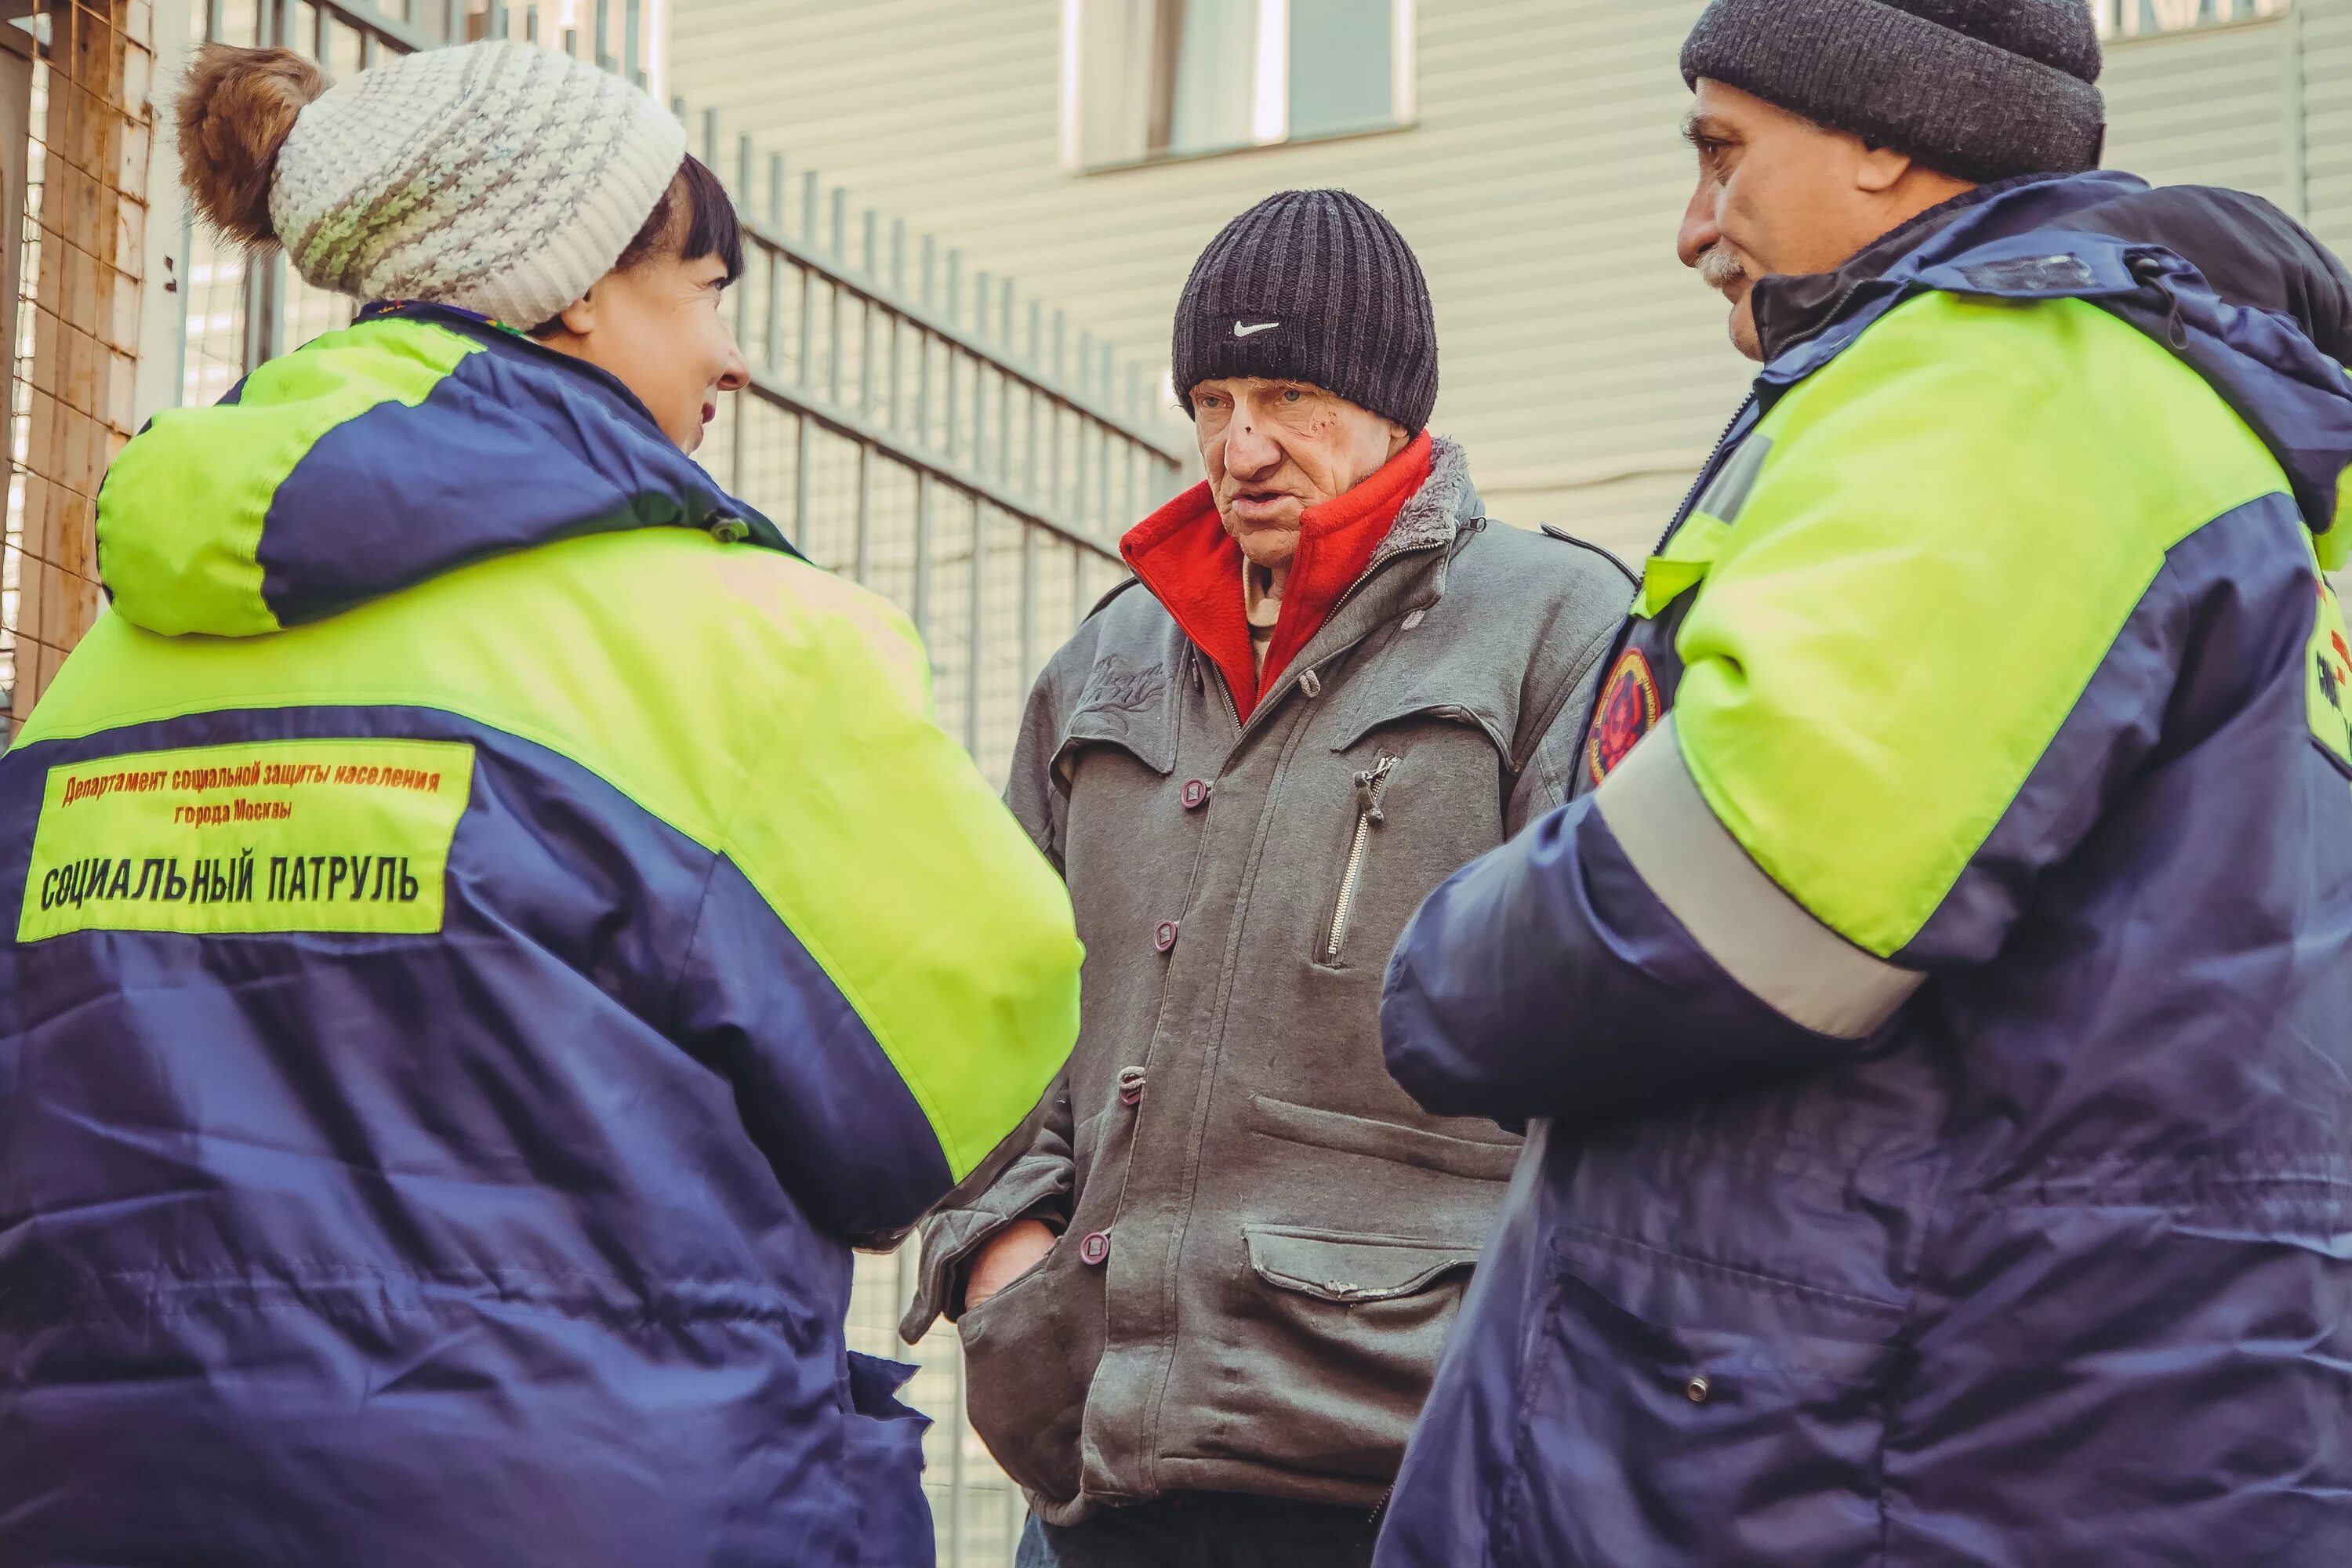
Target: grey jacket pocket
1335,1340
1025,1380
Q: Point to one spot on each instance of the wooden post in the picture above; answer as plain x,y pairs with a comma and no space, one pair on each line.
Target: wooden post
87,258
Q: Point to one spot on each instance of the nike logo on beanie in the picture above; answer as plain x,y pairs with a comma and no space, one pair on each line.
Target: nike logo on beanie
1242,331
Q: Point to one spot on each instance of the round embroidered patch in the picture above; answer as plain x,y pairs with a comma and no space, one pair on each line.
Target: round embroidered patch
1628,710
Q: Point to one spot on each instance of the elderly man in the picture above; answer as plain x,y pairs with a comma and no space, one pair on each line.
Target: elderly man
1939,999
1201,1315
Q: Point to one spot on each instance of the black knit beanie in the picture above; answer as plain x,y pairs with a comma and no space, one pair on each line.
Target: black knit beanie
1979,90
1312,286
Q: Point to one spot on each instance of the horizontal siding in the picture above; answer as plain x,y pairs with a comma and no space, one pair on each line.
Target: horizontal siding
1583,368
2204,108
1541,189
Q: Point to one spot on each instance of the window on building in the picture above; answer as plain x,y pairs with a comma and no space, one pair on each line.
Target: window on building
2141,18
1171,79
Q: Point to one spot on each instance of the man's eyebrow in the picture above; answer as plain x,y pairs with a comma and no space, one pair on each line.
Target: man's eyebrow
1697,127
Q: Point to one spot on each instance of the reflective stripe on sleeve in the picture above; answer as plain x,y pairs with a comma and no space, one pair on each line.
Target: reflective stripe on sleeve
1764,939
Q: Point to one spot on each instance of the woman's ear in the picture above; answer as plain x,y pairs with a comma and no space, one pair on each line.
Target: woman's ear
579,318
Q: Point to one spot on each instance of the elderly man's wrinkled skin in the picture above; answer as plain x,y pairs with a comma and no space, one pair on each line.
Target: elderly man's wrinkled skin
1778,195
1270,449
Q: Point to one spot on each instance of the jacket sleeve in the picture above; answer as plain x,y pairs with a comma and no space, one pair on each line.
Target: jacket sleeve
884,968
1038,1184
1939,636
1548,772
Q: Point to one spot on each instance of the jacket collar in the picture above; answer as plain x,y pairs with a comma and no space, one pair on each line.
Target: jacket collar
2021,241
406,446
1789,308
1182,554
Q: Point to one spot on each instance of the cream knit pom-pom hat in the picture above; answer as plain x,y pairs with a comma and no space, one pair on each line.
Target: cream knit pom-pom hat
499,177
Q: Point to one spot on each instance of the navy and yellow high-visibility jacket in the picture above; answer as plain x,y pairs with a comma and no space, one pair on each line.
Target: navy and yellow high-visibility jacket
487,928
1938,1021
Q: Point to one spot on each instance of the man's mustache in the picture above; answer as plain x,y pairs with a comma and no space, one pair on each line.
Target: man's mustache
1718,268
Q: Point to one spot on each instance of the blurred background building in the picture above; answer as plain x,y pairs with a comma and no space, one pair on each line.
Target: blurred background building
971,219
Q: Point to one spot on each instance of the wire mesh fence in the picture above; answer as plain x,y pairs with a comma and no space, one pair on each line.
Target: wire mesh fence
76,132
927,432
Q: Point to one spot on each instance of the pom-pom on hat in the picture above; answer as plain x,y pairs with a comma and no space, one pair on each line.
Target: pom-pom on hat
499,177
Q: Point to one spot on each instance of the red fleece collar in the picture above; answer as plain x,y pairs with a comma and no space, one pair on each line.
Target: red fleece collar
1183,554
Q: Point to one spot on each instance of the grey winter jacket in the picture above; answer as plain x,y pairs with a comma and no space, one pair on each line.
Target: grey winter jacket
1263,1241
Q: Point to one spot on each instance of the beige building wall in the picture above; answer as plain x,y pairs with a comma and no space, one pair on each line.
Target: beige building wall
1541,183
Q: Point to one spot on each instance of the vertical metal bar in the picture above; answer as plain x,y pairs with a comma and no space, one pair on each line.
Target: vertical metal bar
833,314
1108,442
630,26
1030,406
1029,660
739,406
862,558
529,24
801,480
604,25
711,139
808,283
972,631
866,377
919,606
980,378
213,22
923,349
1080,492
745,163
951,425
1003,428
898,295
775,262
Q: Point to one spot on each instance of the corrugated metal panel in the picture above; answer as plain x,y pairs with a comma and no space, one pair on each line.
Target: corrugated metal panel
1541,188
2210,108
2327,40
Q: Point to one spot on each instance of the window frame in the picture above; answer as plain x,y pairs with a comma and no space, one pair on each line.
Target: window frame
1270,113
2109,16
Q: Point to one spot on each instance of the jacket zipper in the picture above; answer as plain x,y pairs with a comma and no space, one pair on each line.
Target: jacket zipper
1368,786
1705,472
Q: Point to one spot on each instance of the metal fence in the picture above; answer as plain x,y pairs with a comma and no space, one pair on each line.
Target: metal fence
76,131
926,430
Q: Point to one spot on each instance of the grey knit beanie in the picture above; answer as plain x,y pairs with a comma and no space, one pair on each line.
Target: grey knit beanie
1312,286
1979,90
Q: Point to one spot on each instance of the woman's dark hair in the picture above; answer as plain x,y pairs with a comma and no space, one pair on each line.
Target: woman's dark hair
695,218
709,226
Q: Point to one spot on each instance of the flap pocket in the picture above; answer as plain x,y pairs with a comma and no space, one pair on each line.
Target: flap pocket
1123,704
1332,1267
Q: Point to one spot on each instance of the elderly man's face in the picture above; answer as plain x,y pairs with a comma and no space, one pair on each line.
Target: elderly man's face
1273,448
1778,194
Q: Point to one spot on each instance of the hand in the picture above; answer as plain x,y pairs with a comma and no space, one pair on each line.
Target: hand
1011,1253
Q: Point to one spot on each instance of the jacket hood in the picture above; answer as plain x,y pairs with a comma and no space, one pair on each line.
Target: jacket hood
412,443
2230,285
